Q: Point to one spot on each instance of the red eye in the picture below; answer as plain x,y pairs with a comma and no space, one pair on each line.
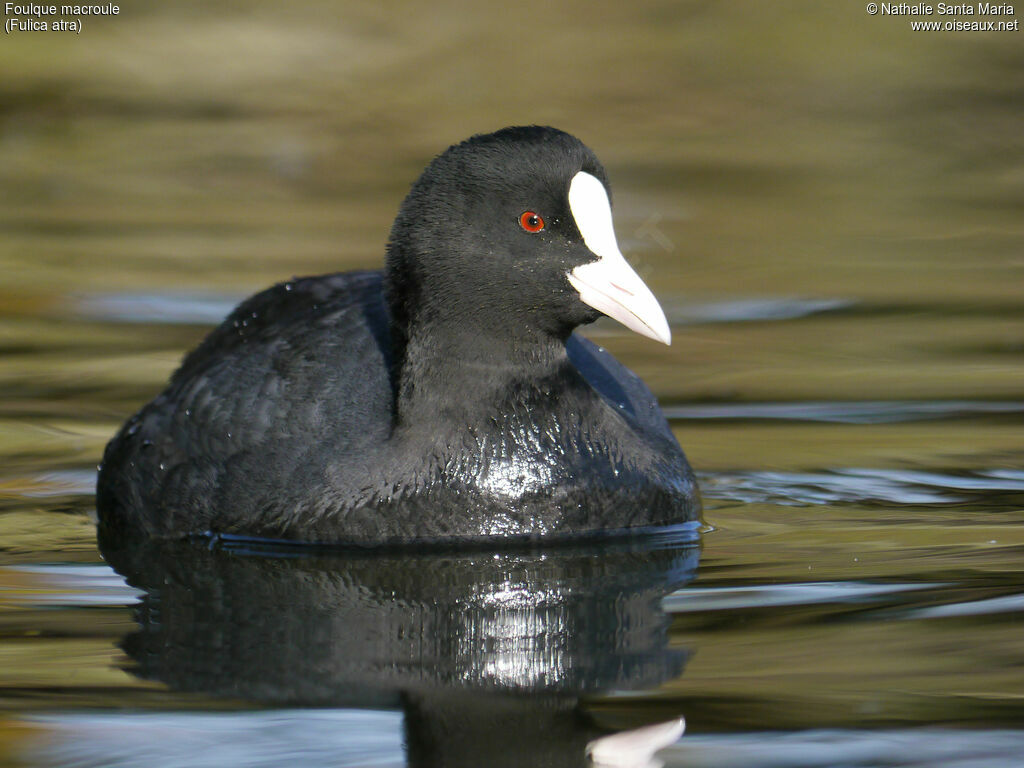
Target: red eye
531,222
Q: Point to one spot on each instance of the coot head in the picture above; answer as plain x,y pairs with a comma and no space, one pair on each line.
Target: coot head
509,236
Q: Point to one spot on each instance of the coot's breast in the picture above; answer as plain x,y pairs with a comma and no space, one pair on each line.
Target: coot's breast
281,425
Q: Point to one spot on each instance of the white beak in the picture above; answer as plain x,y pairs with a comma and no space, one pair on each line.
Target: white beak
609,284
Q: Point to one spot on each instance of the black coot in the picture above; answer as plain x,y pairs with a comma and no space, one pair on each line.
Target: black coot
443,399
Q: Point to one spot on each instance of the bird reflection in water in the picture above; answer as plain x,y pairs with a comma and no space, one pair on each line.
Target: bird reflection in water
487,654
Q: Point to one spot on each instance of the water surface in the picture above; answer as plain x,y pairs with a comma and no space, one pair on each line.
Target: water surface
831,209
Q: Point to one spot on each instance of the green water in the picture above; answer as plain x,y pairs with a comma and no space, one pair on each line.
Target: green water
829,205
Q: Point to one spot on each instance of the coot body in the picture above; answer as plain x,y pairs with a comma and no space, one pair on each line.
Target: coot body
444,398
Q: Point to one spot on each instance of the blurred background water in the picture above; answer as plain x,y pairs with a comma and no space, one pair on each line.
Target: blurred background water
829,205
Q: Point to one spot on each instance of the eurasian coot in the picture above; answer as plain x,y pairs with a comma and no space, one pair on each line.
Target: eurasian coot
445,398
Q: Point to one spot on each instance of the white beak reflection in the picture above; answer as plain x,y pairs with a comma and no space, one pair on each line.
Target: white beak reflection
636,748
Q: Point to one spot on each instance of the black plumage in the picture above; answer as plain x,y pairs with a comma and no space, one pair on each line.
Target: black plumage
443,398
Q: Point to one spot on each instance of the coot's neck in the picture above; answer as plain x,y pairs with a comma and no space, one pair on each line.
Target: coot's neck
457,372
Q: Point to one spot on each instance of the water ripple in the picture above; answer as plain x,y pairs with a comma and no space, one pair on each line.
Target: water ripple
67,482
170,308
65,585
697,599
1004,604
897,486
799,489
750,309
309,738
860,412
911,748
